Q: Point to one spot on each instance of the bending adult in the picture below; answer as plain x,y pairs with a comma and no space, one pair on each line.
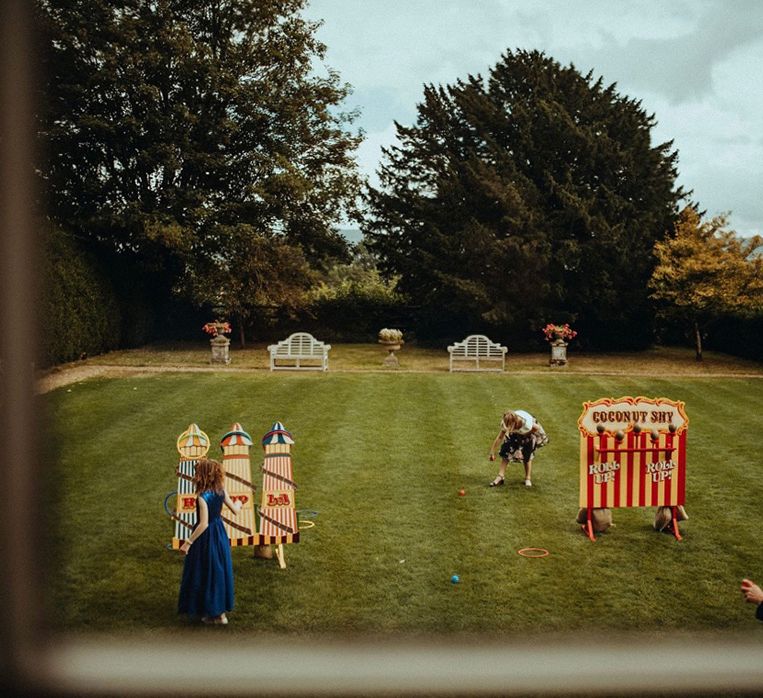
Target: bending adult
520,436
753,594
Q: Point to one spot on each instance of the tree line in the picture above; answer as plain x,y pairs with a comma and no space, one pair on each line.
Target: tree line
200,154
193,146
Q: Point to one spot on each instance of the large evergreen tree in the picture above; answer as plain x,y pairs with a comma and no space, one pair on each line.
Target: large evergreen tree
534,195
173,126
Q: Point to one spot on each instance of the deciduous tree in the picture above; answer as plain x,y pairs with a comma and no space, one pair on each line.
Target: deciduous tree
251,273
705,271
173,124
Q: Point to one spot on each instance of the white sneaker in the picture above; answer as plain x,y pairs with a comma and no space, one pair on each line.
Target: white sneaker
528,483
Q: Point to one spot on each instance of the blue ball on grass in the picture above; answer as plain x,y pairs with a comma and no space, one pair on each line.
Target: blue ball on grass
455,579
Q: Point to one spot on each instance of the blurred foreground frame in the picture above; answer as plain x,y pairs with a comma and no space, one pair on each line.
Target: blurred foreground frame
35,661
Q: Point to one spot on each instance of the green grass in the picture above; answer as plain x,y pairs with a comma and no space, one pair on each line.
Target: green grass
381,457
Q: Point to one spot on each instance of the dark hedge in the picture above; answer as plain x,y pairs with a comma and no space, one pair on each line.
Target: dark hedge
80,313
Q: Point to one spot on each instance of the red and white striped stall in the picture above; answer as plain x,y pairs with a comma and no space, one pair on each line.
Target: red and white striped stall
632,454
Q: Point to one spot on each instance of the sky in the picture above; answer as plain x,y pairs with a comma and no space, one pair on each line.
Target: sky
697,65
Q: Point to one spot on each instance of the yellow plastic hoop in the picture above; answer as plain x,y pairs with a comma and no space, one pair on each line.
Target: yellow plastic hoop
531,552
306,524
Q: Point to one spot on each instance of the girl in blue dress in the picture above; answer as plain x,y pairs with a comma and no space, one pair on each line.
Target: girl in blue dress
206,589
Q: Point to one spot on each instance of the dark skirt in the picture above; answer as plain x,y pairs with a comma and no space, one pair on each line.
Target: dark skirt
520,448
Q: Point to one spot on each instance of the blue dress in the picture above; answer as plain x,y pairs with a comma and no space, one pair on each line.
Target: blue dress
207,585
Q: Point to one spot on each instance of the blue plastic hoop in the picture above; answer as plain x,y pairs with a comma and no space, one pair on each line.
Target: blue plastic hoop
166,508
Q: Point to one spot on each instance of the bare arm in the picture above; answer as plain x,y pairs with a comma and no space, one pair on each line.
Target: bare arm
496,443
235,507
201,525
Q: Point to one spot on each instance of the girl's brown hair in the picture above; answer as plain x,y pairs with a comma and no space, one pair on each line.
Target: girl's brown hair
512,421
209,475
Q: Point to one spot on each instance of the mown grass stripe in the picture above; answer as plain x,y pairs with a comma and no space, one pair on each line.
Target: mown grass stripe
380,457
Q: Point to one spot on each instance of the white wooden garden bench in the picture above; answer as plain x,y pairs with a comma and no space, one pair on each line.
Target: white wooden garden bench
300,351
477,351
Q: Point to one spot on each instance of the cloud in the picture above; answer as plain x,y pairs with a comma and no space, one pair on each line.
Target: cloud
695,64
720,158
370,152
379,105
678,67
402,45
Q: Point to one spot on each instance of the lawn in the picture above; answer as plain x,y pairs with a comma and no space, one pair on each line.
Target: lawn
380,457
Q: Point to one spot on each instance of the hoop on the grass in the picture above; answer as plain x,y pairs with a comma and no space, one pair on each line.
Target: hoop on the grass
166,499
306,524
533,552
306,513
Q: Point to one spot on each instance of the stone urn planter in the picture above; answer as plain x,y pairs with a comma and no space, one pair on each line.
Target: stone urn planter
219,344
392,340
558,337
558,353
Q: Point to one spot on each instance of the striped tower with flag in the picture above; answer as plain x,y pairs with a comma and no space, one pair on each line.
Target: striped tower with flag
192,445
242,529
278,514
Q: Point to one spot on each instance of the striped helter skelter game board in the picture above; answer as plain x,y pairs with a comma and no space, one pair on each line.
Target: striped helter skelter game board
241,529
192,444
278,514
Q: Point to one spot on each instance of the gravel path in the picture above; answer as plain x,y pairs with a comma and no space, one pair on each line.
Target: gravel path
64,376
